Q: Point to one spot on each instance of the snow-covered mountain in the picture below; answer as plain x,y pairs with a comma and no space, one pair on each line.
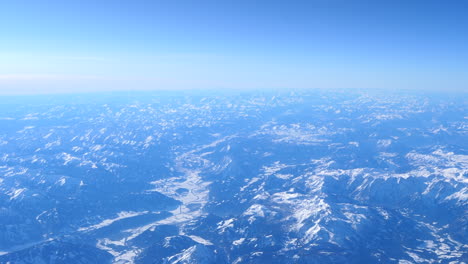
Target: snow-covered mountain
297,177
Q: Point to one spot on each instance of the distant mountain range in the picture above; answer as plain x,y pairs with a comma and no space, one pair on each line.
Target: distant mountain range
286,177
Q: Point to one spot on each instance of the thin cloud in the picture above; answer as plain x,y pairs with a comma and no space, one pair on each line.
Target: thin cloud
48,77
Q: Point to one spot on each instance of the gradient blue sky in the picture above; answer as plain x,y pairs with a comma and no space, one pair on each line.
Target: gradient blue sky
102,45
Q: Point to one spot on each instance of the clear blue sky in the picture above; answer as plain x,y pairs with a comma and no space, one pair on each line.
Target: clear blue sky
93,45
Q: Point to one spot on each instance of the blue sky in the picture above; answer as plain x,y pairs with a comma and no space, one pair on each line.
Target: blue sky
88,45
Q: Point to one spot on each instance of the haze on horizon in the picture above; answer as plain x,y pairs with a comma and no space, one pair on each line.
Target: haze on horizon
84,46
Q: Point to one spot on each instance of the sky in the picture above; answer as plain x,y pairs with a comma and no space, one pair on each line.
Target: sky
58,46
